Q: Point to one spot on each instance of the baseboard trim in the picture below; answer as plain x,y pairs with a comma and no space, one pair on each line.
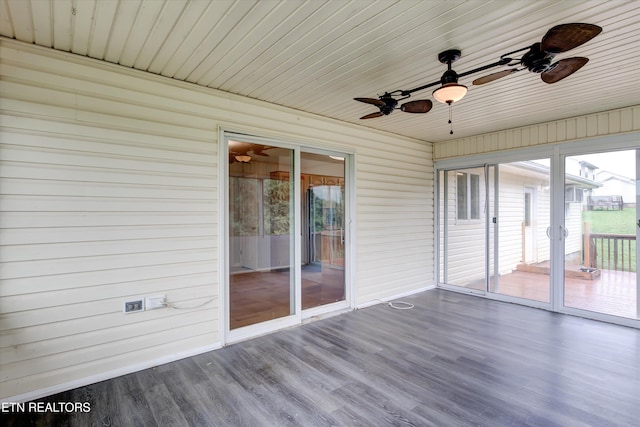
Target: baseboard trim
58,388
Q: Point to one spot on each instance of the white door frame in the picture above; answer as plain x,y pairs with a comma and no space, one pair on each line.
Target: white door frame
590,146
226,334
557,153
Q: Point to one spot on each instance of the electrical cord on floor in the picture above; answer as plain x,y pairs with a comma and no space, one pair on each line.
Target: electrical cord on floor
400,305
171,305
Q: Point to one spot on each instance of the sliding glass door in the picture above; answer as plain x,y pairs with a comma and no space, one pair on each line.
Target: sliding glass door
601,228
493,222
557,230
463,222
323,236
523,255
261,282
287,242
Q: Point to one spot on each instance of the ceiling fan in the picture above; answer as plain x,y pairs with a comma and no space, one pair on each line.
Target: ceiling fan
538,59
239,151
387,103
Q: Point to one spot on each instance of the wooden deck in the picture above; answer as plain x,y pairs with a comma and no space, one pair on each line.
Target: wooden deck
452,360
610,292
614,292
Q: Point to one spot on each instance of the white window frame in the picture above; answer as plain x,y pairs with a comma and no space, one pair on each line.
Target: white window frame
468,197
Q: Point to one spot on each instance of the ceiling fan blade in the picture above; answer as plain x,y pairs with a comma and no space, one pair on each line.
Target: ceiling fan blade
259,150
372,115
419,106
491,77
563,68
373,101
564,37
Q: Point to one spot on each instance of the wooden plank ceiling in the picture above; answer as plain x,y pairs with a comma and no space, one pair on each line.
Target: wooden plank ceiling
316,56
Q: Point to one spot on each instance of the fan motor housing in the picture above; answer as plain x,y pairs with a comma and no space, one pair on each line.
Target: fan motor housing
390,105
536,60
449,76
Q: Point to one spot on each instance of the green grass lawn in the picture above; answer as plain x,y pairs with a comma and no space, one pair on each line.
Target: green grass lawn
614,222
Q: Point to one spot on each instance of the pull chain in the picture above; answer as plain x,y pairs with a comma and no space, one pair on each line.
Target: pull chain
450,117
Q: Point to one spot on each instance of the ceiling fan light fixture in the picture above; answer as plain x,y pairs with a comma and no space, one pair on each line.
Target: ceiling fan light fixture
243,158
449,93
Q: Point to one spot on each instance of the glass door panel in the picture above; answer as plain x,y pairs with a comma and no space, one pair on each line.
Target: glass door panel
524,214
261,282
323,229
462,218
492,226
601,230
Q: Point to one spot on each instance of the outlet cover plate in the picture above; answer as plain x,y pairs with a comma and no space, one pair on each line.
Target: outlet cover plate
156,301
133,306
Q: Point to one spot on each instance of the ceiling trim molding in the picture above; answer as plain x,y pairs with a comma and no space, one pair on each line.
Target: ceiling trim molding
602,124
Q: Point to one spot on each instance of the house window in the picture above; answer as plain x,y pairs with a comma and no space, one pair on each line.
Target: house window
527,209
468,196
573,194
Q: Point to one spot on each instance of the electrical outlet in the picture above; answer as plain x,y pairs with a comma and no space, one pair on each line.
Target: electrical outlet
156,301
133,306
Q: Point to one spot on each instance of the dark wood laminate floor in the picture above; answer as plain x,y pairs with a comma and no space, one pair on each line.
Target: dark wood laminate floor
453,360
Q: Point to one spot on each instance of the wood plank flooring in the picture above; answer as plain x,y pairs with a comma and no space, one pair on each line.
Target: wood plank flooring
452,360
260,296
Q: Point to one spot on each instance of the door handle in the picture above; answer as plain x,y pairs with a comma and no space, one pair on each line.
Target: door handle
565,232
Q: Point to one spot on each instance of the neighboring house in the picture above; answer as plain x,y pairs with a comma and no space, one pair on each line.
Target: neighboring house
612,189
587,170
613,184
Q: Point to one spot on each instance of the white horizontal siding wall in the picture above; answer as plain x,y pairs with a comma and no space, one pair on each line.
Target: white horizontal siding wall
101,203
574,239
613,122
109,191
395,213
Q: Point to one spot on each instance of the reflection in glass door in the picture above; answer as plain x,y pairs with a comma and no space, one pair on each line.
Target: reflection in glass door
286,242
323,241
261,282
601,230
